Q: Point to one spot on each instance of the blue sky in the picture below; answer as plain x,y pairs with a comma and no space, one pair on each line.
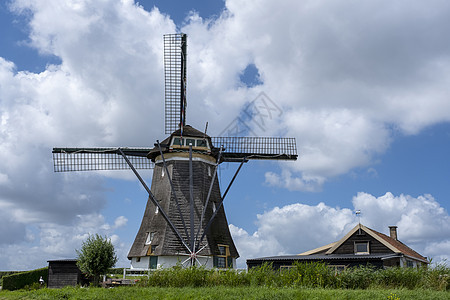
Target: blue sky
364,91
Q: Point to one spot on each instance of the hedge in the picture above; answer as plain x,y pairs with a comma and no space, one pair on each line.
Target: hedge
19,280
4,273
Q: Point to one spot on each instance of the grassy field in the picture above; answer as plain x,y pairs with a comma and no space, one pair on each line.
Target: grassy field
217,293
303,281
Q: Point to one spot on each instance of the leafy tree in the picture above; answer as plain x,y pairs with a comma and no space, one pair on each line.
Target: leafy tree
96,256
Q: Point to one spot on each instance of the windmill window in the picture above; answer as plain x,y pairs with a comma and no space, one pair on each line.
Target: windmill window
150,236
177,141
222,250
157,210
190,142
223,260
184,142
361,247
214,209
201,143
209,171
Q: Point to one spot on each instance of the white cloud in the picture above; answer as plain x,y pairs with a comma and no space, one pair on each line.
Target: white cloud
422,224
58,242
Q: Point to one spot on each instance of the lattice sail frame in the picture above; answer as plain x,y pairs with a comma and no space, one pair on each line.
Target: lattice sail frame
99,159
273,148
175,81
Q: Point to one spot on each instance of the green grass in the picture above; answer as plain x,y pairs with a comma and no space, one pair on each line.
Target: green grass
304,275
221,292
303,281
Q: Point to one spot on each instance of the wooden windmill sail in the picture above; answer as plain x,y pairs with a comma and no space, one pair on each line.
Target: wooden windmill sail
184,220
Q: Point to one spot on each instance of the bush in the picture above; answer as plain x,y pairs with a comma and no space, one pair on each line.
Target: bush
20,280
438,278
96,257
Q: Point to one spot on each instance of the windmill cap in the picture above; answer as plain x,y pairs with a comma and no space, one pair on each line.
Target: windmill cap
188,131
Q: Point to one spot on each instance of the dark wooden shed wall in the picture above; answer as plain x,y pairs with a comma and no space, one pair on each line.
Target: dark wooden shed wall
63,273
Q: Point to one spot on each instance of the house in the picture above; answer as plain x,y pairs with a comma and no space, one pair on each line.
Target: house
64,272
360,246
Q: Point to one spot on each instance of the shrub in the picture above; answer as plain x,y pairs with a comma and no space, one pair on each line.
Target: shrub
438,278
19,280
96,256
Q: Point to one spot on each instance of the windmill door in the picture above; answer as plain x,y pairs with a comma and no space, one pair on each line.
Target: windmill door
153,264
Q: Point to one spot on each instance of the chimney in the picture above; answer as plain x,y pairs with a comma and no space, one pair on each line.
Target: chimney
393,232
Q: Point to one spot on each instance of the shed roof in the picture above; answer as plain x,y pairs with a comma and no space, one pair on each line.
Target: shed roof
63,260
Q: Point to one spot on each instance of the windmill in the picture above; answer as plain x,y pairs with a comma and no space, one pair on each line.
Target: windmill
184,219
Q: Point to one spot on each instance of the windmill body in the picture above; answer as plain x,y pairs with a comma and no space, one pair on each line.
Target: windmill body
156,244
184,220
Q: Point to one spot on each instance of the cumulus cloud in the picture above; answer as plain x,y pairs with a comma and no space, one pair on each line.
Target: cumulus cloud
422,224
47,241
347,76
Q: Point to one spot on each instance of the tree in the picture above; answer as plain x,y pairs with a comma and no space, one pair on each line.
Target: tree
96,256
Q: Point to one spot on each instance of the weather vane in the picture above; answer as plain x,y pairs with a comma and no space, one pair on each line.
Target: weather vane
358,214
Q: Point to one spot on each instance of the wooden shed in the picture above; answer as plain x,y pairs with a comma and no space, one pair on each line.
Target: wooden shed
64,272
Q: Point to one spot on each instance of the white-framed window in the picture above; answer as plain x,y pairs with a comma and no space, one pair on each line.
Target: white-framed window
202,143
362,248
337,268
286,268
150,236
185,142
178,141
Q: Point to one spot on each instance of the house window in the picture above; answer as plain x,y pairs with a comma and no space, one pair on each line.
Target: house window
138,259
285,268
361,247
337,268
409,263
223,260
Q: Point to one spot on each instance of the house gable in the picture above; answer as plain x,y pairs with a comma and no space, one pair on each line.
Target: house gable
361,234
